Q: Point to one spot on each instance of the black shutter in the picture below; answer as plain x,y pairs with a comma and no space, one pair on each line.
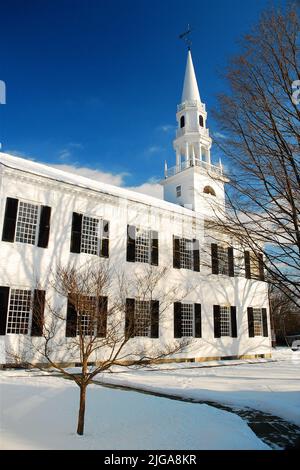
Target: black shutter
177,320
102,317
217,321
233,322
198,326
4,296
230,262
250,322
44,228
260,257
214,258
247,265
76,233
131,243
196,255
265,322
129,318
10,219
154,248
71,324
176,252
154,318
104,252
38,313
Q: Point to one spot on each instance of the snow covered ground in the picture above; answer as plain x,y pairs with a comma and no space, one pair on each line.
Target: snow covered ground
39,412
269,386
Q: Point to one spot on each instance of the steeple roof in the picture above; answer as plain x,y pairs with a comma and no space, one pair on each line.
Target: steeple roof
190,86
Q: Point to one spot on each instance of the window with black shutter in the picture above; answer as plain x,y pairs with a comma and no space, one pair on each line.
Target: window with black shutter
214,258
38,308
10,220
4,299
177,320
129,318
217,321
44,228
131,231
154,318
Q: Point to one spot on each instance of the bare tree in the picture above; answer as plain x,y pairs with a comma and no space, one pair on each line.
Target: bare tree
285,315
260,122
101,324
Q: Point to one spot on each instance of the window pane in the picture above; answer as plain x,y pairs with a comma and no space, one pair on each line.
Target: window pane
225,321
87,316
223,260
142,318
27,223
19,311
142,246
90,238
186,253
257,318
187,319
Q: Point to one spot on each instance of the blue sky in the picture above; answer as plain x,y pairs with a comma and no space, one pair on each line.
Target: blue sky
95,83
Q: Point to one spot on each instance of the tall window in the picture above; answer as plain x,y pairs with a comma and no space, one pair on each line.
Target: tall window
258,322
201,123
182,122
142,318
143,246
225,321
254,266
87,319
27,223
89,235
186,253
187,319
19,311
223,260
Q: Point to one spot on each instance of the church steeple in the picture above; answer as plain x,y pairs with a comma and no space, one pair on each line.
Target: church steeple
190,87
194,179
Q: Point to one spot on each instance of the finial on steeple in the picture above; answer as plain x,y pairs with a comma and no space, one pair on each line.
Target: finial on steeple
185,37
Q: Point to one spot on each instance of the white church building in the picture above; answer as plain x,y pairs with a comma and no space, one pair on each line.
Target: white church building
49,217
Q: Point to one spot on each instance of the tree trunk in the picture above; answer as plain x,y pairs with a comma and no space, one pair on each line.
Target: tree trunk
81,413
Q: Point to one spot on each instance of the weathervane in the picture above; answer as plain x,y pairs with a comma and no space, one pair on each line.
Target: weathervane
185,36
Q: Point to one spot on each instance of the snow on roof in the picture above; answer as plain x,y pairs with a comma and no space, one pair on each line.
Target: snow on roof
46,171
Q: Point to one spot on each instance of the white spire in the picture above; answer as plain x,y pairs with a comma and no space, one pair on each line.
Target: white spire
190,87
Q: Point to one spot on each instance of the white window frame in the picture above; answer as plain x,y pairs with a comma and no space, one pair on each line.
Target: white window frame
228,332
137,305
192,312
84,318
147,259
223,260
257,322
23,201
29,324
100,233
183,253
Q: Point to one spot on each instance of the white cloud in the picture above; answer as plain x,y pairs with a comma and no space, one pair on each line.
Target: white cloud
151,189
98,175
154,149
166,128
